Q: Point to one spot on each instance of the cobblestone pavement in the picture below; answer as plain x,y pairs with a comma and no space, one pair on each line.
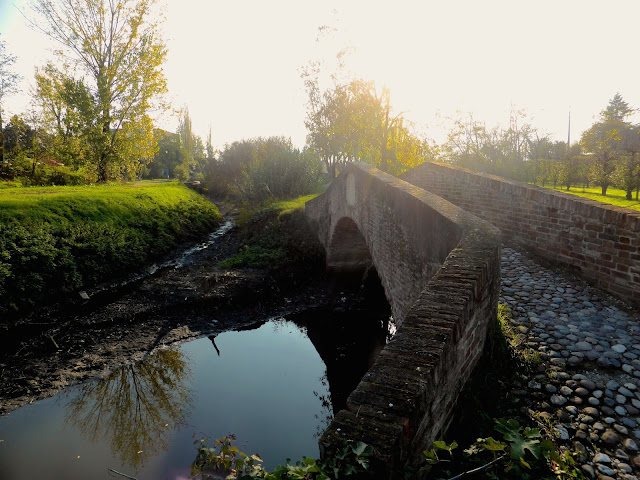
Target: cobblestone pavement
591,346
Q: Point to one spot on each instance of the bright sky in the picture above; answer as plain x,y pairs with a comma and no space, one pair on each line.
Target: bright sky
236,64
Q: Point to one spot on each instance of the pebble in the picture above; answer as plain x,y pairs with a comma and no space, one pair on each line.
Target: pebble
610,437
606,470
629,445
591,350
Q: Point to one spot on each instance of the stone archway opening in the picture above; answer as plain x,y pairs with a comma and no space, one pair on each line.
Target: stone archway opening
348,252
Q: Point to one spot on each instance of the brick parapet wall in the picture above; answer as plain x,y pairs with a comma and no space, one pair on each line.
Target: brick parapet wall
404,401
602,241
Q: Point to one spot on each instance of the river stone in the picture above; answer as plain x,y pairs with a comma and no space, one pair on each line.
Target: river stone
620,410
621,455
558,400
593,412
601,458
625,468
597,393
581,391
583,346
605,470
629,445
587,419
620,429
610,437
588,384
571,409
635,402
630,422
625,391
551,388
619,348
612,385
562,432
621,399
598,426
588,469
574,360
630,386
593,401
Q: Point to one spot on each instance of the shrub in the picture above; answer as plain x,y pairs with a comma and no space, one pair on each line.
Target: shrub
277,236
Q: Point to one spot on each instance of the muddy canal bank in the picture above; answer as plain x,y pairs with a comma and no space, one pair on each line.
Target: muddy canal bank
124,323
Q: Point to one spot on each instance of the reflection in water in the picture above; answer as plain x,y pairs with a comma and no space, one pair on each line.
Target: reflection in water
136,407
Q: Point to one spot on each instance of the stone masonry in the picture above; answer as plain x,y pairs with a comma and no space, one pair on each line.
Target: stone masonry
601,241
440,268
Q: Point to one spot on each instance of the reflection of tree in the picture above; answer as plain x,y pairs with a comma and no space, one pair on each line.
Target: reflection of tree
325,417
135,406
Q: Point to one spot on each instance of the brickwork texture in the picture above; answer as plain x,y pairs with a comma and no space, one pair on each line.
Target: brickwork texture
440,267
601,241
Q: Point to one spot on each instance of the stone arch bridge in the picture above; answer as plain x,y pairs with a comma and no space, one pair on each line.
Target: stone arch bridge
440,269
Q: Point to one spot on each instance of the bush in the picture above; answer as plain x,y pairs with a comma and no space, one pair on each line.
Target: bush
263,169
284,174
277,236
28,172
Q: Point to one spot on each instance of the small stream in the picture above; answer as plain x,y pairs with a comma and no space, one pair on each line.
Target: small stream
274,385
268,385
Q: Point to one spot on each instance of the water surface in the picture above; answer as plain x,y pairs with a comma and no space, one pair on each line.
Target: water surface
267,386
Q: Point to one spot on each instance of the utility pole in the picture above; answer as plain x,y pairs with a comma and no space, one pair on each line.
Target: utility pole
569,131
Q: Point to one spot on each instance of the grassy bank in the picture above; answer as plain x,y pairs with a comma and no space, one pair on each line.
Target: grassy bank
57,240
615,196
277,236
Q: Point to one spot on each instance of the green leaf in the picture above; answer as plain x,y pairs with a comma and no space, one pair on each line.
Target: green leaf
360,448
492,445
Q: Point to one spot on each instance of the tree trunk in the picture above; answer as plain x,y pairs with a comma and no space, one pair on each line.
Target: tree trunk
630,194
604,190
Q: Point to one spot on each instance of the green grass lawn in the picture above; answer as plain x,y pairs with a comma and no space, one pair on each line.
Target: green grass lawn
615,196
56,240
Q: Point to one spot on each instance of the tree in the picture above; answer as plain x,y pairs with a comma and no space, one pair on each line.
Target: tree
617,109
627,173
8,85
67,111
115,44
604,141
18,137
353,121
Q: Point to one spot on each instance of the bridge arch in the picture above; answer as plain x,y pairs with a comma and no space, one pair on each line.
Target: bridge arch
440,269
348,250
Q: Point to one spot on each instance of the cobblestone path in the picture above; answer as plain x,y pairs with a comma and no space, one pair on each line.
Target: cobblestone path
590,344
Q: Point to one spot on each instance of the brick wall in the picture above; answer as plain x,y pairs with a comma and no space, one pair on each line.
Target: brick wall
404,401
600,240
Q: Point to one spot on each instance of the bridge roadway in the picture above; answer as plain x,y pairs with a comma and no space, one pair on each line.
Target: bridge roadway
440,269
